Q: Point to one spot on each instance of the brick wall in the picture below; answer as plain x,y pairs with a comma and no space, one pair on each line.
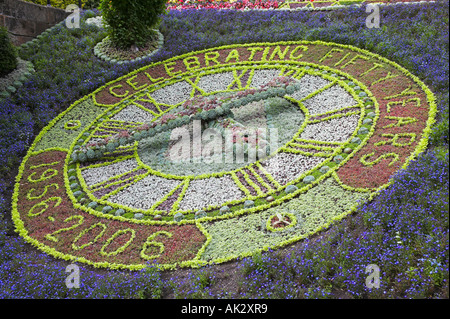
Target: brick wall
25,20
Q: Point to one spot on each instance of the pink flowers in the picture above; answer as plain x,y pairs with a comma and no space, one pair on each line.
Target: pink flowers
143,127
166,117
123,134
281,80
232,4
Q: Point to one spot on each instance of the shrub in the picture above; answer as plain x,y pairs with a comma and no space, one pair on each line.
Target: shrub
89,14
130,22
92,4
8,53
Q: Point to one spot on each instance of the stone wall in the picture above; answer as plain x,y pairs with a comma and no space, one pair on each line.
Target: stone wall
26,20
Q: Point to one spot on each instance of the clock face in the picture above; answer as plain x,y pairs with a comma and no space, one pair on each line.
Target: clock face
263,170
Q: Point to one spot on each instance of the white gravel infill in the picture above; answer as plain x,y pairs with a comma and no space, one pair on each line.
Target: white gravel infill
173,94
211,191
144,193
309,84
133,113
261,77
334,130
285,167
215,82
333,98
100,174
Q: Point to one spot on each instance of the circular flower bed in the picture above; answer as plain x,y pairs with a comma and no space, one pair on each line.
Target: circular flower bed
218,154
105,51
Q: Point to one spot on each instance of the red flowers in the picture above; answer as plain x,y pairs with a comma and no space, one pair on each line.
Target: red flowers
232,4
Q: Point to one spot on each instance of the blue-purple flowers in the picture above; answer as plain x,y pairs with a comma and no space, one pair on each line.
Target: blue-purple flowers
404,230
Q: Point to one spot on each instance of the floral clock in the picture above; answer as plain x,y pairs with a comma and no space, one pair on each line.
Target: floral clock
98,185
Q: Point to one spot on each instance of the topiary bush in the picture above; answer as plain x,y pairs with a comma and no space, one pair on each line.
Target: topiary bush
92,4
130,22
8,53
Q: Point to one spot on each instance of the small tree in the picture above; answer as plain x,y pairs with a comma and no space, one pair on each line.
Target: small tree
130,22
8,53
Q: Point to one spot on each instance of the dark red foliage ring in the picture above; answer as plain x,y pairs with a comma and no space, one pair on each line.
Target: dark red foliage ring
356,174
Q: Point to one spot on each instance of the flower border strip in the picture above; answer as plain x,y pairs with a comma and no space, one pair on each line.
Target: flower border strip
285,5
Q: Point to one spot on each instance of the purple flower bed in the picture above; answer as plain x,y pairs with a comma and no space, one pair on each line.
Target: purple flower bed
404,230
389,232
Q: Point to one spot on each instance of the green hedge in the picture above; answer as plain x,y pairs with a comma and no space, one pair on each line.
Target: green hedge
8,53
130,22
